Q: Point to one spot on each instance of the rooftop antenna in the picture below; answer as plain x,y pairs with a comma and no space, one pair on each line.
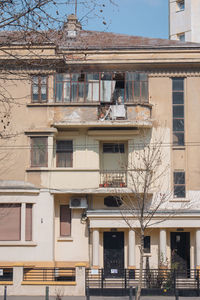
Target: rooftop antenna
76,8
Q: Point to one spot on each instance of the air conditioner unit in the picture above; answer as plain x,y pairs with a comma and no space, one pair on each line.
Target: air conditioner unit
78,202
118,111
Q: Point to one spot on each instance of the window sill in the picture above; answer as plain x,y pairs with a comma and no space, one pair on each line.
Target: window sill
65,239
17,243
178,148
179,200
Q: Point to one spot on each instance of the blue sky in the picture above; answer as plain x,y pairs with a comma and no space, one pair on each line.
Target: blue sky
134,17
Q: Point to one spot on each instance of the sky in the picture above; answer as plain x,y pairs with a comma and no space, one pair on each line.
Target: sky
148,18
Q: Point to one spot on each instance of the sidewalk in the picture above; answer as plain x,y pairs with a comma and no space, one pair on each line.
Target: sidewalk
98,298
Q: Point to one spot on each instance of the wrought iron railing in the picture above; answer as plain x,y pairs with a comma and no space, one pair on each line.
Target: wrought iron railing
6,274
160,279
110,178
49,274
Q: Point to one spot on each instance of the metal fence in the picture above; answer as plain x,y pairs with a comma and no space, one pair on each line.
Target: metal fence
49,274
154,281
6,274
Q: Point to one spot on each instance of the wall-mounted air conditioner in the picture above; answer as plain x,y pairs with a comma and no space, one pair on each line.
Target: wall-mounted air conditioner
78,202
118,111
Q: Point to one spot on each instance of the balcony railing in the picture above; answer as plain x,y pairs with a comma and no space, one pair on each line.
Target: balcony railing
110,178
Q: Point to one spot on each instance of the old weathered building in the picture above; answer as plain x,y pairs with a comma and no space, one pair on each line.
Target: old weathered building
79,103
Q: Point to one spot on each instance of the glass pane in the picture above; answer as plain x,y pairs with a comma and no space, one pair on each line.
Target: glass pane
39,152
178,84
144,90
64,159
35,79
81,92
74,91
64,146
106,76
178,125
106,90
179,191
35,89
43,80
178,98
35,97
143,76
43,89
92,76
178,138
59,92
66,77
59,77
130,76
129,91
66,91
136,89
179,177
178,111
75,76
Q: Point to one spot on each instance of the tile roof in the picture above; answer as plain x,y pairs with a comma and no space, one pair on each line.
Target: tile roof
89,40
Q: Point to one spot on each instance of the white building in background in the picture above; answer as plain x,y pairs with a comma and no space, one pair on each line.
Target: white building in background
184,20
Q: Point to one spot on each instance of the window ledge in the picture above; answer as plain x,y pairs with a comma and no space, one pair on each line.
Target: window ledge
180,200
17,243
178,148
65,239
147,254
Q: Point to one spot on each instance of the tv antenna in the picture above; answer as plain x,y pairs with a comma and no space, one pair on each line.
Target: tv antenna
76,8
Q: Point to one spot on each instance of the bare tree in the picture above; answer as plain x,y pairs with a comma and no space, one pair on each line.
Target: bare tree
148,179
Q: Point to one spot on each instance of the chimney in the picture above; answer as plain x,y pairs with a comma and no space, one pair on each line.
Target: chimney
72,26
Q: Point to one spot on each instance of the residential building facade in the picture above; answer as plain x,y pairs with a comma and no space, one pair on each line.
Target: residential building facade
184,21
80,112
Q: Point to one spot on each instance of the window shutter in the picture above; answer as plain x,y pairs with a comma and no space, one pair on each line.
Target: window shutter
65,220
10,222
28,229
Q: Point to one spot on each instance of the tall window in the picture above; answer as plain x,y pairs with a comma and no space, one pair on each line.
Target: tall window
64,153
65,220
104,87
39,89
178,110
39,152
147,244
10,222
179,184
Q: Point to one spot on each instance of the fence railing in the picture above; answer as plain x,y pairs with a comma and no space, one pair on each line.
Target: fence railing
49,274
166,279
6,274
113,178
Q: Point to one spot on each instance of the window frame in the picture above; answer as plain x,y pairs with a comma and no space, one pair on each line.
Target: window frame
178,133
147,250
45,164
114,78
39,100
70,217
179,185
57,153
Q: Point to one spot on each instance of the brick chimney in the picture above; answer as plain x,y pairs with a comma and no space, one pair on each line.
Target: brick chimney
72,26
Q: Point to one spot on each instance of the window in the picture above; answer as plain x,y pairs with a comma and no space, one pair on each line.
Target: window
178,111
113,148
28,222
39,89
10,222
179,184
147,244
181,37
104,87
65,220
64,154
39,152
180,4
112,201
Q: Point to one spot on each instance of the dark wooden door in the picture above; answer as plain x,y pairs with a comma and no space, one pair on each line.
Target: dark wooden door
180,253
113,254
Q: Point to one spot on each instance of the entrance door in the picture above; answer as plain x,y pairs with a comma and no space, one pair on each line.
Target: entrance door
180,252
113,254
